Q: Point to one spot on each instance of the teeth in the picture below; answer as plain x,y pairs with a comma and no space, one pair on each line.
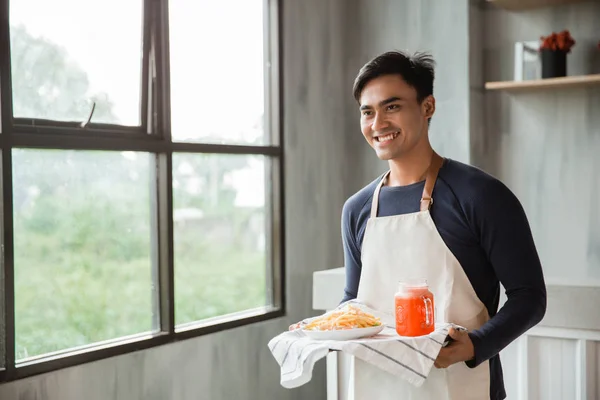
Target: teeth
387,137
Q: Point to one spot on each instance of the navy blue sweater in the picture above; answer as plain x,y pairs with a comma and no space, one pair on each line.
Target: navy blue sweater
485,227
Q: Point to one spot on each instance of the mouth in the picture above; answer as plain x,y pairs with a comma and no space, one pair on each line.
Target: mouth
387,138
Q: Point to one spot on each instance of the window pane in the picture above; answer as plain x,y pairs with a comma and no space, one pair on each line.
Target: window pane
82,248
217,68
67,54
219,233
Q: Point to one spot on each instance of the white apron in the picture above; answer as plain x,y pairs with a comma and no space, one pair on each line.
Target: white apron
409,246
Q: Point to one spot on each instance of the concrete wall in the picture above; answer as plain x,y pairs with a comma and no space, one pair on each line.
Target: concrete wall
544,144
438,27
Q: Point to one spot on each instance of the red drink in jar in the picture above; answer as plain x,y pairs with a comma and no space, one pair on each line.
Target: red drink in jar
414,309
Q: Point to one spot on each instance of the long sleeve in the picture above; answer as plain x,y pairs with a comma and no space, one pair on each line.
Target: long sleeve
352,263
506,238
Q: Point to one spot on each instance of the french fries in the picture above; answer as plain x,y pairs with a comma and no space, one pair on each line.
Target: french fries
347,318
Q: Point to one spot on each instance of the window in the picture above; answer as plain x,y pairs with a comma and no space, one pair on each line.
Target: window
141,176
82,248
218,78
219,234
63,60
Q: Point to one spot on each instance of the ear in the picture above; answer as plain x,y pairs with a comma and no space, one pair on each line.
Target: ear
428,106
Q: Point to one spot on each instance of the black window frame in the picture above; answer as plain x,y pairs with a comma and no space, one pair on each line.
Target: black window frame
153,136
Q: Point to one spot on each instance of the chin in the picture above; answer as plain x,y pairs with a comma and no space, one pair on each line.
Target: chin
385,156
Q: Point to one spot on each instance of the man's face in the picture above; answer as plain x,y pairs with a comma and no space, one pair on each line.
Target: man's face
392,120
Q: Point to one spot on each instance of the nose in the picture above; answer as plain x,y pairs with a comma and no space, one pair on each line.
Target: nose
379,122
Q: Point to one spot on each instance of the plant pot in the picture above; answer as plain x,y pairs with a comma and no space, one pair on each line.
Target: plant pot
596,62
554,63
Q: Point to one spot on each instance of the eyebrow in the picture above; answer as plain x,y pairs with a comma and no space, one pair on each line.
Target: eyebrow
383,102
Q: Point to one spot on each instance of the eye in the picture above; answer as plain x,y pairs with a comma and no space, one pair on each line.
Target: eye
366,113
393,107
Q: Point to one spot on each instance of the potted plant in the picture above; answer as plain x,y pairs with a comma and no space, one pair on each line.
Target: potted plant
554,50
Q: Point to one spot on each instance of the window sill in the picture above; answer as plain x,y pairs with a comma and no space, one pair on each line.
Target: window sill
227,321
111,348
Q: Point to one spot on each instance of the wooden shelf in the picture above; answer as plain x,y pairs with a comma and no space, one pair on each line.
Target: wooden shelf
520,5
549,83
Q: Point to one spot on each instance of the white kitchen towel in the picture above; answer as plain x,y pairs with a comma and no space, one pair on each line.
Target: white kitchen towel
409,358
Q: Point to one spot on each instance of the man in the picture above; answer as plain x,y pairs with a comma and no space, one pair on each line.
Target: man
442,220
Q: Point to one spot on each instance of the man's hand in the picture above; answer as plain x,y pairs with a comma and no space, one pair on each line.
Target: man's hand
461,349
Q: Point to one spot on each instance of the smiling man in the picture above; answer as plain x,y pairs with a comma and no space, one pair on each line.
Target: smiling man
437,219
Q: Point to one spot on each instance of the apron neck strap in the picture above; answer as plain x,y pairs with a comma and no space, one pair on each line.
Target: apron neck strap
375,202
432,174
426,199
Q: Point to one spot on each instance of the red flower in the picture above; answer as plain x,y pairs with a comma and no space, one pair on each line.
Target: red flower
558,41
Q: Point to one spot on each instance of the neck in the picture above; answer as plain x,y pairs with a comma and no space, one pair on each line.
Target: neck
410,168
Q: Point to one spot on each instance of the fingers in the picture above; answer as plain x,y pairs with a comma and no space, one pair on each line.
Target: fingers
442,359
440,364
461,349
456,334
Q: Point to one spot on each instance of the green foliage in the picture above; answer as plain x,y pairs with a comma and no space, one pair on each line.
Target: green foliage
83,232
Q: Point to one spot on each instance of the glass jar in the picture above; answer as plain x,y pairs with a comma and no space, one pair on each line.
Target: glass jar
414,308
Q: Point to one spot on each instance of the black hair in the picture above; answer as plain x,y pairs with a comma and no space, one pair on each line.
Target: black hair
416,70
